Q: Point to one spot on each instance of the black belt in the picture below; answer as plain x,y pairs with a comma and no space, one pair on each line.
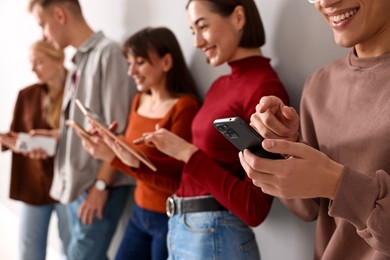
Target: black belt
177,205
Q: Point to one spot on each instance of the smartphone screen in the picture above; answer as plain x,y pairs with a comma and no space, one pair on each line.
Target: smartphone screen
243,136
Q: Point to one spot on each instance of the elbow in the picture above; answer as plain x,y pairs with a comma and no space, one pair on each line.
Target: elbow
255,218
254,223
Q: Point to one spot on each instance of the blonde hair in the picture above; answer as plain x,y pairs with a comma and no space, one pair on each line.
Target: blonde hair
49,49
51,107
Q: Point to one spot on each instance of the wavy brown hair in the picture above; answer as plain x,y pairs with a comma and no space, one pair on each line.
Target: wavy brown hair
163,41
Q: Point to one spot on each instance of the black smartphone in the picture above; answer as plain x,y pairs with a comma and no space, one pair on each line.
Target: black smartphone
243,136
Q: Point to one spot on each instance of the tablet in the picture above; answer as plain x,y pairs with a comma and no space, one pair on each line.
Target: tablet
78,128
101,124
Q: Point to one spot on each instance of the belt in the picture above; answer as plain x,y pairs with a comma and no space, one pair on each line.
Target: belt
177,205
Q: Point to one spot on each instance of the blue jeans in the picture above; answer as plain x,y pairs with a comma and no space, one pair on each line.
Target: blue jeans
92,241
145,236
34,226
210,235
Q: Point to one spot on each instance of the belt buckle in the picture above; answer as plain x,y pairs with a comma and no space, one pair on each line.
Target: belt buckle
170,207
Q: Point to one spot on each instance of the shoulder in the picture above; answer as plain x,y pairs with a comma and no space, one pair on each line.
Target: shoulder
32,90
103,48
105,45
327,73
187,102
185,105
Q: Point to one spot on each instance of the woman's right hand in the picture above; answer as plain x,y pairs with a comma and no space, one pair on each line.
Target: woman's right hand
170,144
9,140
274,120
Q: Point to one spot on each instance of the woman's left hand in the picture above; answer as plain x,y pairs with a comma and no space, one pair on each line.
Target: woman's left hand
121,152
97,148
307,173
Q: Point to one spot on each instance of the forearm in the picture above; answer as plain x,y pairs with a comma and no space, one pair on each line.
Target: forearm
238,195
185,154
106,173
306,209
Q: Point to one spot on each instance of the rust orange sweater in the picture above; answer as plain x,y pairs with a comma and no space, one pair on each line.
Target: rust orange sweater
153,188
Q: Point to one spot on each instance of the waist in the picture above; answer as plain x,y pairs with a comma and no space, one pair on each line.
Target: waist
150,198
181,205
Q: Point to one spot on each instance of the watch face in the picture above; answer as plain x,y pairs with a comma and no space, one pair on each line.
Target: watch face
100,185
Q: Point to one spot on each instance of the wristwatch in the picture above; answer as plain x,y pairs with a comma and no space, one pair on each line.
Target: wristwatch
100,185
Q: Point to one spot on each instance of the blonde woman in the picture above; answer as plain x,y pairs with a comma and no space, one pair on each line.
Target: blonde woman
37,107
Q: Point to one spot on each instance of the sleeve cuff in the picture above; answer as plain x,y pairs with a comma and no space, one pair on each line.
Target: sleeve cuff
355,198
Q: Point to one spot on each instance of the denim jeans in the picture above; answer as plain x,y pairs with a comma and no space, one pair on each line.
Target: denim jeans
145,236
91,242
210,235
34,226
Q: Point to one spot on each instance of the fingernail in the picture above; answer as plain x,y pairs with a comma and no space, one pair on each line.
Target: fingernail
268,144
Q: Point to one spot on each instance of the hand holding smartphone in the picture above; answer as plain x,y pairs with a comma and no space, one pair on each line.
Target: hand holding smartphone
243,136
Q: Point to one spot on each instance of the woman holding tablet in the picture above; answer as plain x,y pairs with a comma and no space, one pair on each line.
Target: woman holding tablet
166,97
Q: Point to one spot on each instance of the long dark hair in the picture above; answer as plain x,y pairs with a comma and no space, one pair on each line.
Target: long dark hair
163,41
253,35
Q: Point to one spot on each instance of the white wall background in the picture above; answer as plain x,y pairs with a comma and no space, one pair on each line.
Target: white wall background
298,42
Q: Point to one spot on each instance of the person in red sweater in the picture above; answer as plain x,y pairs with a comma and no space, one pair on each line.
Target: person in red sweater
166,97
215,205
338,170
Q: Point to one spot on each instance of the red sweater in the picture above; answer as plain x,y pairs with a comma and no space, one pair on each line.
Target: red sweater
215,168
153,188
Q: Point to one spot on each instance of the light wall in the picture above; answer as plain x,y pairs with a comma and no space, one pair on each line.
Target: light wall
298,42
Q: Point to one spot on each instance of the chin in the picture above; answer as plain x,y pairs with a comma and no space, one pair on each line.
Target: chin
141,88
214,62
344,41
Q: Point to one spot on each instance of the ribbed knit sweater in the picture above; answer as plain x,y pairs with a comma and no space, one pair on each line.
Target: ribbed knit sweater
345,112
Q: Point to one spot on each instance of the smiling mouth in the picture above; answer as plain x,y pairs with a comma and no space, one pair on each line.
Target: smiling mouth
341,17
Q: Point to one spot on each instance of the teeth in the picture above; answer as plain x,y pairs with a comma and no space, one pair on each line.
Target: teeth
338,18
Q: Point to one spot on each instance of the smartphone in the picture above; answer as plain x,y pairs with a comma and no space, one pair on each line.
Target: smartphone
243,136
78,128
27,143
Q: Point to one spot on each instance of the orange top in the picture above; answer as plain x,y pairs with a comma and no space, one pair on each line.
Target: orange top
153,188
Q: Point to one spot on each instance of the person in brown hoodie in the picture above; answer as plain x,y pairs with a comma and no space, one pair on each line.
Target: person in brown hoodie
337,164
37,106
